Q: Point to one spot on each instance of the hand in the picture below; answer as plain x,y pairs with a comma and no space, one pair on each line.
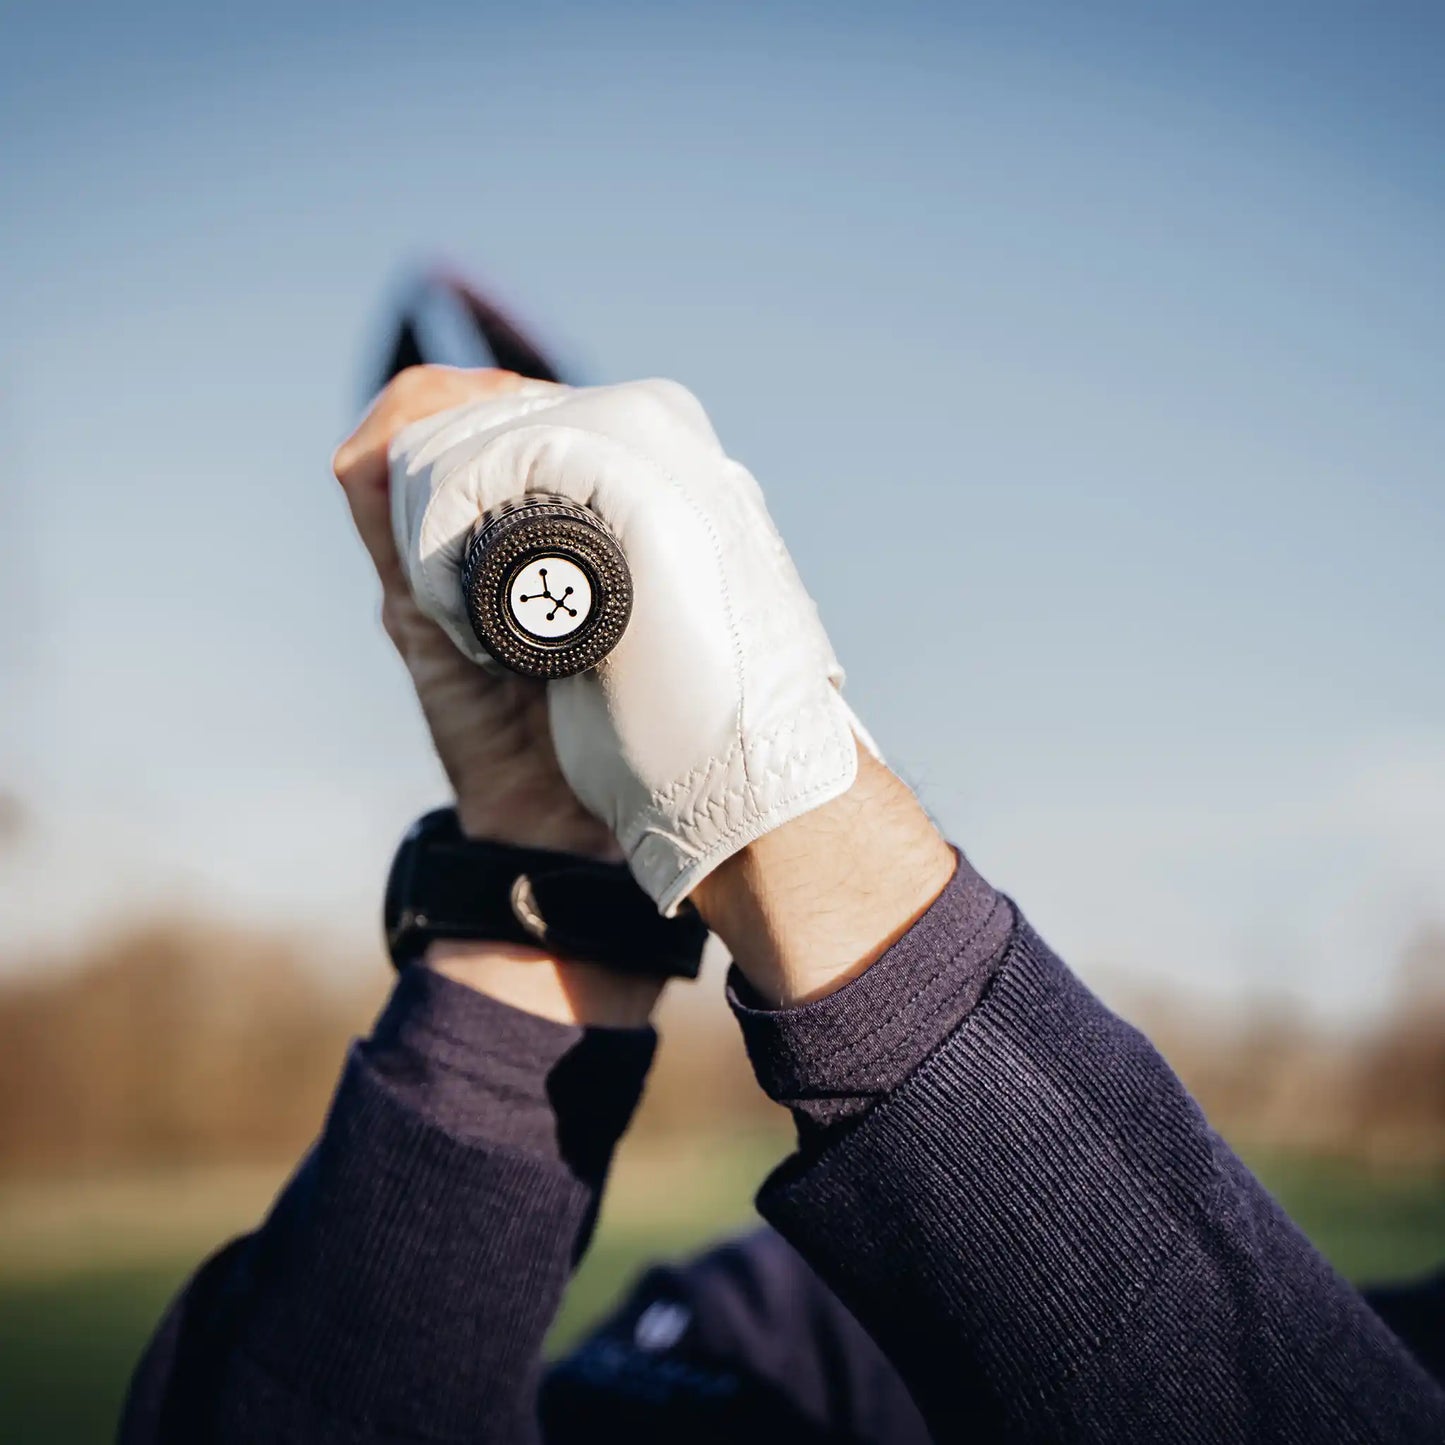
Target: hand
490,729
718,717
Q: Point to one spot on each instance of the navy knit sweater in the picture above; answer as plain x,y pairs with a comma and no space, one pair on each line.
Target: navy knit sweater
1006,1220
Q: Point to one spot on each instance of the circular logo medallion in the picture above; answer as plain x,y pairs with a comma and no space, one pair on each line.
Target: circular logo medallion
550,598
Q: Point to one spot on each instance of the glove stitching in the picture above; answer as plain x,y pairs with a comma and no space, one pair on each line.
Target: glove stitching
759,822
695,774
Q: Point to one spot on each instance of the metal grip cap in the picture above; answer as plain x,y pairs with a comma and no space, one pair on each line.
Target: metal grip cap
547,588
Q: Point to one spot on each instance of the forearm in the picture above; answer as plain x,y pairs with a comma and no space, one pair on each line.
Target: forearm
405,1279
1036,1223
809,906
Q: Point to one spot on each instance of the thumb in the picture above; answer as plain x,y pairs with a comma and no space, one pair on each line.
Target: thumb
361,464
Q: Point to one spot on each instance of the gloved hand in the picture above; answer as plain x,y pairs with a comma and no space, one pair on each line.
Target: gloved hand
491,731
718,717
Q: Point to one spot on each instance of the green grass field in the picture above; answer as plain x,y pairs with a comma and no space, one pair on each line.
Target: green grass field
83,1280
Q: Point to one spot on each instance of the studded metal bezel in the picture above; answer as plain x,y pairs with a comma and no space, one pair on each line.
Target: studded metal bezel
506,542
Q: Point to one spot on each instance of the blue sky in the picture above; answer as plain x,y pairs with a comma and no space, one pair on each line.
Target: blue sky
1090,356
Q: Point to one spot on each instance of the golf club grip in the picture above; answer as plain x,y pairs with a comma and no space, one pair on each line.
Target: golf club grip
547,589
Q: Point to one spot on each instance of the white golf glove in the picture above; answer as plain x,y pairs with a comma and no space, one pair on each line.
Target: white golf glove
718,716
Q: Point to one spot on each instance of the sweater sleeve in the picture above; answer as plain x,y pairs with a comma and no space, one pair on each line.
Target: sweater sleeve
404,1281
1040,1229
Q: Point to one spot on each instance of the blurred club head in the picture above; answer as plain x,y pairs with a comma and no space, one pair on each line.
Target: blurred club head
448,320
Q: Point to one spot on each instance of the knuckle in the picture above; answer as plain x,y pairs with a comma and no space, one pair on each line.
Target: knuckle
342,460
391,619
413,380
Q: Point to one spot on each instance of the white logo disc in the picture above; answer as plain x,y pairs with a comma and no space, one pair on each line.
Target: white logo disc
550,597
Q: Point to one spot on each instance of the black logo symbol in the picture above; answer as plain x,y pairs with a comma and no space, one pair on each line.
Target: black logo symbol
559,604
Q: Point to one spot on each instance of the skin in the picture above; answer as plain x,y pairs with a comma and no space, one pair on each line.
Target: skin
806,908
803,910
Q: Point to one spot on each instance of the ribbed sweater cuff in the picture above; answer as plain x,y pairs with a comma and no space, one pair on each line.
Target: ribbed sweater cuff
831,1060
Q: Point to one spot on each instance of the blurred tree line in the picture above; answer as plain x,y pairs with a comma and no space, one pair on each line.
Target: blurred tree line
183,1041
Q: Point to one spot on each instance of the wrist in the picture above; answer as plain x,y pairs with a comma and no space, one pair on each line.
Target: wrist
566,938
525,821
808,907
566,991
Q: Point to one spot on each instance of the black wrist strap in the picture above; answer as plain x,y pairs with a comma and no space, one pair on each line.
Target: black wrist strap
446,885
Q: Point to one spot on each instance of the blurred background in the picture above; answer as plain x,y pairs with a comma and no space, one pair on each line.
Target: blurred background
1112,332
